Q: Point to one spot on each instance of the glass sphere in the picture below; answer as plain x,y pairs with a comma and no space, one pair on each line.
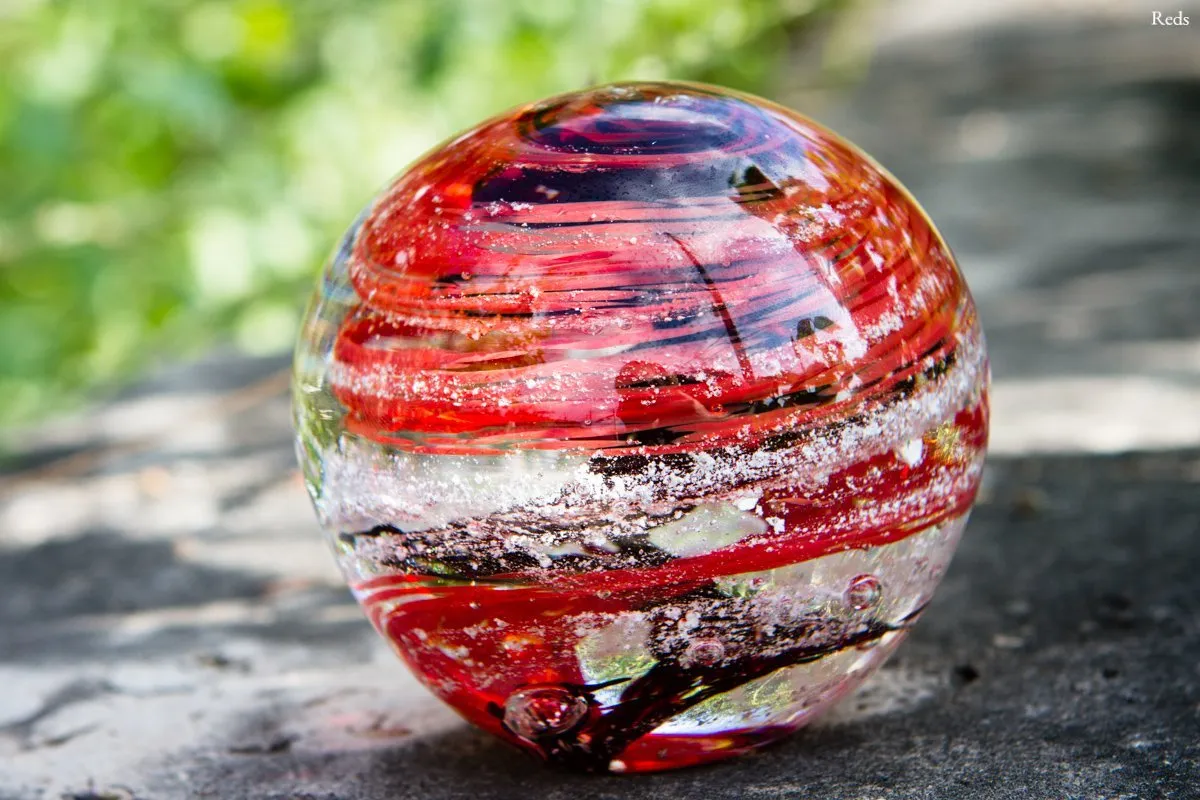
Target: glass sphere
644,421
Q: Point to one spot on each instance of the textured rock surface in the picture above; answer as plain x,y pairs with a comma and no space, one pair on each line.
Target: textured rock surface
171,625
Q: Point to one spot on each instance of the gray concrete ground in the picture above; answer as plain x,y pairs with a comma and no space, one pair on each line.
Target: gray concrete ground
171,625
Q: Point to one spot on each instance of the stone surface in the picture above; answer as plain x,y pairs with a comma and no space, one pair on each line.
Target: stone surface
172,626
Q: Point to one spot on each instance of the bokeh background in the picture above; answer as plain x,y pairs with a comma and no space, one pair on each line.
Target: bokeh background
174,171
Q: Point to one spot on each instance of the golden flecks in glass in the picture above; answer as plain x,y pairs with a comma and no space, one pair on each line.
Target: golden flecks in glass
946,442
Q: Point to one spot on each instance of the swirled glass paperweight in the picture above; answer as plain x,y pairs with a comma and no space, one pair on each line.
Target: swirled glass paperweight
644,421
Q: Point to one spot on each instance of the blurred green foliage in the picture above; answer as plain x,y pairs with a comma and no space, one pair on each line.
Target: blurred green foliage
174,171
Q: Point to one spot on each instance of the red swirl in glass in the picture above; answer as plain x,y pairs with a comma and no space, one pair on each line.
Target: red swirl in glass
602,363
